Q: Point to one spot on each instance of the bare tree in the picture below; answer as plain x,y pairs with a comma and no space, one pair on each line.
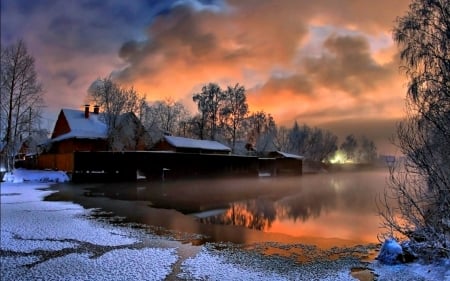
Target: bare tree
349,146
233,113
313,143
114,101
168,114
367,152
209,102
21,98
421,187
261,131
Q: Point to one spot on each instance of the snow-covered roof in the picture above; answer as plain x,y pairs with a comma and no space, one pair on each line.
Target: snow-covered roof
81,127
289,155
181,142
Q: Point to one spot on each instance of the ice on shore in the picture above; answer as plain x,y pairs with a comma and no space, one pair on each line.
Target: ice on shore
24,175
52,240
126,264
391,252
55,241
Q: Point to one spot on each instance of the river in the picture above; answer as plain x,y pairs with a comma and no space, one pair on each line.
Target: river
327,209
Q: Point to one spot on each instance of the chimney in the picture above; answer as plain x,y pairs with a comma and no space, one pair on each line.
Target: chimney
86,111
96,109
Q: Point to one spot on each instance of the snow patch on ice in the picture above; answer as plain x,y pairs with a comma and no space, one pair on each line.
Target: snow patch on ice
57,221
206,266
24,175
209,266
126,264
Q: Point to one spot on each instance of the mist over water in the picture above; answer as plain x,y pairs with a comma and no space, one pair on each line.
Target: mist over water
284,209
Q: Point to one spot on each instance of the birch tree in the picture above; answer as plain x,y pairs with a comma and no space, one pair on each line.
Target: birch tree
21,99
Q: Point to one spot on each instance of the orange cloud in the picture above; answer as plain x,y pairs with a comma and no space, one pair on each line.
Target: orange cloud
319,62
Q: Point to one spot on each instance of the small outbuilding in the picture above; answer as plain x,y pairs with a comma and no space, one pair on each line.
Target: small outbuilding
187,145
284,163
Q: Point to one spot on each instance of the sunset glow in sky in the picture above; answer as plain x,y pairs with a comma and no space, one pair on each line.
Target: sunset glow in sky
326,63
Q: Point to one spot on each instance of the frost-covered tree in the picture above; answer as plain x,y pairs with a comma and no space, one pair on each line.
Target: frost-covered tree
166,115
115,100
233,113
421,186
21,99
261,132
209,102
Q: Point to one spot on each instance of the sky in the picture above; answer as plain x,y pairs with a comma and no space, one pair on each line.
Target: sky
325,63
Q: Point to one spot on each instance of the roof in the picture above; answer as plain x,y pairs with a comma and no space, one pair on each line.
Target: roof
81,127
181,142
289,155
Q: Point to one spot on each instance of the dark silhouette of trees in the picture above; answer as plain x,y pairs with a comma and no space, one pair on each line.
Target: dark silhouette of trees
233,113
421,186
209,101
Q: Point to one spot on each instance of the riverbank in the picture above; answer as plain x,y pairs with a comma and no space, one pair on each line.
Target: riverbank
62,241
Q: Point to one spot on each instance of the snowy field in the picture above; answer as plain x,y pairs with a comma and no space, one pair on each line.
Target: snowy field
58,241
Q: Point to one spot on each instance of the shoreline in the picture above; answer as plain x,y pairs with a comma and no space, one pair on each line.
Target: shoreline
58,234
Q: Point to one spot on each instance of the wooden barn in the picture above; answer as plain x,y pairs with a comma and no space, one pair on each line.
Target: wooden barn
278,163
187,145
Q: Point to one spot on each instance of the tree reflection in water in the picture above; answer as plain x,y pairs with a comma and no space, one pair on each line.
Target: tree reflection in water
255,214
261,213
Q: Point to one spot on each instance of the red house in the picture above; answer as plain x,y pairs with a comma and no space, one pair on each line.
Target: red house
77,130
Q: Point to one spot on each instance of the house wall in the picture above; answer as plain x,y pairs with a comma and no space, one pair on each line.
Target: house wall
61,161
61,126
288,166
71,145
163,145
107,166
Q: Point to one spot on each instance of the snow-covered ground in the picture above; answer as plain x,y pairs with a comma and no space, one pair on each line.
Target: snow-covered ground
43,240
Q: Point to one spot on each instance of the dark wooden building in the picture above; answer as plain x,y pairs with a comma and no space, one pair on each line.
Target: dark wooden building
187,145
278,163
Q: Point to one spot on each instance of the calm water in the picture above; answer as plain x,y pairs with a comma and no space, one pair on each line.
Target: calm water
313,208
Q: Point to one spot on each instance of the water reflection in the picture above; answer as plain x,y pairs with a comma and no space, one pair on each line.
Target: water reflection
260,213
340,205
255,214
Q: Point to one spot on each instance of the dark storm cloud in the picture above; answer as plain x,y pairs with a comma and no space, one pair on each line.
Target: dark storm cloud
347,65
297,84
231,36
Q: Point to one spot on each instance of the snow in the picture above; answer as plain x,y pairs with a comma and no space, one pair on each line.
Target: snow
81,127
43,240
24,175
148,264
206,266
390,252
193,143
289,155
